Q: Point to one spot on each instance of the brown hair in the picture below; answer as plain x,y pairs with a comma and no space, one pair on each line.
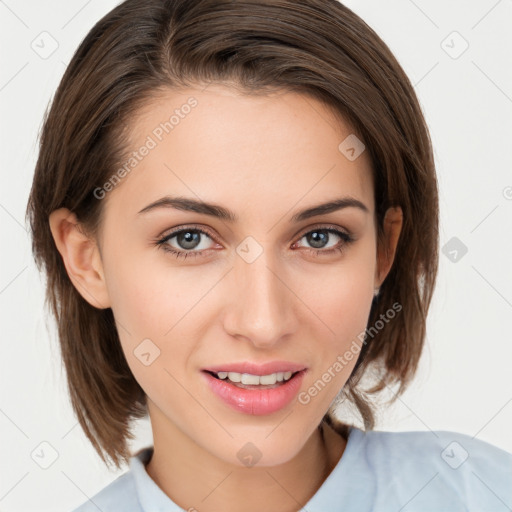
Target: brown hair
315,47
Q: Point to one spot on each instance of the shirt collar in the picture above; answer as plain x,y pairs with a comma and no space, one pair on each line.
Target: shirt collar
151,497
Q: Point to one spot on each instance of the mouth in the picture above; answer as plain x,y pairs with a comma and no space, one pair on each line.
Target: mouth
255,394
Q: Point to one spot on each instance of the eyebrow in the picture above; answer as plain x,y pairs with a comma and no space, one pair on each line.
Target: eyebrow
214,210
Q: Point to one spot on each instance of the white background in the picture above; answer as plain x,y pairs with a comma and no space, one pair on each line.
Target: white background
464,383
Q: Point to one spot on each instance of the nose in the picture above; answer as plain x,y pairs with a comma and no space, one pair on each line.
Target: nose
262,308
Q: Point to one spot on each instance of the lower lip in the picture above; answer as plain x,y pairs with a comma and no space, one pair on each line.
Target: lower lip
256,401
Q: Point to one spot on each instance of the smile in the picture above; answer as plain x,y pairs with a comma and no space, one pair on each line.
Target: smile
241,392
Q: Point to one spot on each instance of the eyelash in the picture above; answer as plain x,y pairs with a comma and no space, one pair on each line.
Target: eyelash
161,242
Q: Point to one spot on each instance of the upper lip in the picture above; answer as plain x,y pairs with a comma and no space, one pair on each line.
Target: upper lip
257,369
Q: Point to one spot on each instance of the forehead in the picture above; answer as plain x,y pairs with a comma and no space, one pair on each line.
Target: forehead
251,152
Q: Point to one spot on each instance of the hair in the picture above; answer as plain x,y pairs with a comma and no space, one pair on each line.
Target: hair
319,48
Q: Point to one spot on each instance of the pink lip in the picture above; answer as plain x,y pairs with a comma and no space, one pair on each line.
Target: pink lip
257,369
255,401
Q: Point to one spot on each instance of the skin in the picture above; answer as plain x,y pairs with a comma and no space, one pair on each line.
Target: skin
265,158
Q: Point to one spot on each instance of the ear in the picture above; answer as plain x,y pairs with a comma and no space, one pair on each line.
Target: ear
392,225
81,257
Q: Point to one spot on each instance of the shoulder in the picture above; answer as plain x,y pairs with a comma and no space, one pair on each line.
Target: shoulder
441,465
453,449
120,494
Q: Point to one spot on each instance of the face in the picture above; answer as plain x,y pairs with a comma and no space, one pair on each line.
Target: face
191,290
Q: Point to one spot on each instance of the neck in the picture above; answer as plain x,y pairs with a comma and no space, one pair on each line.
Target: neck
195,479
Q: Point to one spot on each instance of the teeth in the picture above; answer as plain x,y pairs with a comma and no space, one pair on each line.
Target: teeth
247,378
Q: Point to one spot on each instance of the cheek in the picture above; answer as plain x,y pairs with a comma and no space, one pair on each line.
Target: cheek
344,294
156,308
345,312
341,293
148,295
341,301
150,315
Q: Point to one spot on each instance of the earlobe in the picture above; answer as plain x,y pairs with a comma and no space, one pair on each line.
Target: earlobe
393,221
81,257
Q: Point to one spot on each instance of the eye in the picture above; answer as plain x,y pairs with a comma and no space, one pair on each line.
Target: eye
188,242
320,238
192,241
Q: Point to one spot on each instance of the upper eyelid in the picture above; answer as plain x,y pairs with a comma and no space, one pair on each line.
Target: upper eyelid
175,232
326,226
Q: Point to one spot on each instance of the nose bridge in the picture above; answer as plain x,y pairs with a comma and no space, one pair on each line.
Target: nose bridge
261,306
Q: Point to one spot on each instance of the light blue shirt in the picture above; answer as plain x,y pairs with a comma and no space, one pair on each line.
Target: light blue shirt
378,472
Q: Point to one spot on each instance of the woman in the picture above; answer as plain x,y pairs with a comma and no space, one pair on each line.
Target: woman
236,206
